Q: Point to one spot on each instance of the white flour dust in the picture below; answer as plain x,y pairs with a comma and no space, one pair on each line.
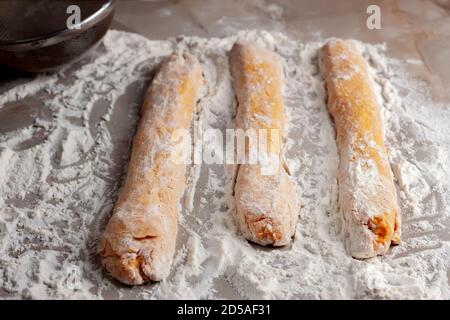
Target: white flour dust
60,174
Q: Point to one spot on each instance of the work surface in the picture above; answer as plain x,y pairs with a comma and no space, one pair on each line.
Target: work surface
64,144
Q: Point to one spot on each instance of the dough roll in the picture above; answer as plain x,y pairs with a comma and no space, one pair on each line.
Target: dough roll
266,204
139,241
367,195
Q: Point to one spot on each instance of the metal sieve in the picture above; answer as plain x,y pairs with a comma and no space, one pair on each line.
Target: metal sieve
34,35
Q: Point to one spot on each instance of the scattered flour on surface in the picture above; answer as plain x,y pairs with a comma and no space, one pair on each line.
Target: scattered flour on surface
57,194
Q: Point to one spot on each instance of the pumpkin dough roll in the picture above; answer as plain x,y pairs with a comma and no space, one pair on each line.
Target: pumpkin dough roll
367,195
139,241
266,204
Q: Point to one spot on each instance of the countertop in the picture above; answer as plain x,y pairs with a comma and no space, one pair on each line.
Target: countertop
412,29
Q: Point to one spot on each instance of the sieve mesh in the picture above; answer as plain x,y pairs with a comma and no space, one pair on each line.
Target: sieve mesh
27,19
24,41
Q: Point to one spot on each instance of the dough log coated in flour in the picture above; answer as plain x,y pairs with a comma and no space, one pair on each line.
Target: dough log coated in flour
367,195
266,204
139,241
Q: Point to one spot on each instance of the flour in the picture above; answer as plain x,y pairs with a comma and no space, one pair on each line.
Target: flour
57,192
22,90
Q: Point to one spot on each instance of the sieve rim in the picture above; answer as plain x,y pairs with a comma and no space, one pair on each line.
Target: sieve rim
60,35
